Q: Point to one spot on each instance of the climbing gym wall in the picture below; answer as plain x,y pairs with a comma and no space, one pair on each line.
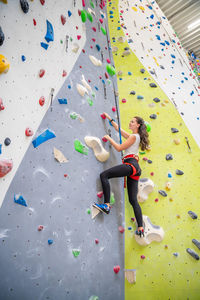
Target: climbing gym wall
155,81
52,246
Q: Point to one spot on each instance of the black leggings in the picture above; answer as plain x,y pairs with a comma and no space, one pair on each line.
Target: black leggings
132,185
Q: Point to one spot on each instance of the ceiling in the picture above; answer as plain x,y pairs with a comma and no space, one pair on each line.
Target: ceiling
180,14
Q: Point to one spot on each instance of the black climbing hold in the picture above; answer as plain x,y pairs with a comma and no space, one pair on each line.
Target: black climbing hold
126,48
156,100
130,41
153,85
142,70
2,37
169,156
132,93
152,72
179,172
162,67
149,161
7,141
163,193
153,116
174,130
24,5
192,253
197,243
192,215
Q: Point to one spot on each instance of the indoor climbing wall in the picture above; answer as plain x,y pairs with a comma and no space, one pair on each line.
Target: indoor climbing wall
51,247
25,93
167,267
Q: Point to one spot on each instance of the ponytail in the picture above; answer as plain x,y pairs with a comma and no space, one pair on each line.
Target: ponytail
142,131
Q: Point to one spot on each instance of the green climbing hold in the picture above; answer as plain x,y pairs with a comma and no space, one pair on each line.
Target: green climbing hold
89,100
109,81
93,94
89,16
148,126
83,15
142,152
89,211
112,199
61,41
76,252
91,4
71,39
80,147
103,30
74,116
94,297
111,70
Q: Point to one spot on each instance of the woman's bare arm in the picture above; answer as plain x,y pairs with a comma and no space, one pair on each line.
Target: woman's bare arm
119,147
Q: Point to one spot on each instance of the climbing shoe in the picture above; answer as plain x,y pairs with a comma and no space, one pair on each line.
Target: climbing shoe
140,232
102,207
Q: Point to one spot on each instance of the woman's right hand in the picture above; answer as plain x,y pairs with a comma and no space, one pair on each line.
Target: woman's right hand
107,116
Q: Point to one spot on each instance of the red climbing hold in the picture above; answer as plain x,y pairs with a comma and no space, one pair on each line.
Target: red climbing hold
64,73
113,108
106,75
100,194
108,60
79,12
5,166
41,73
103,116
78,37
83,3
96,241
83,51
34,22
42,2
116,269
94,29
63,19
28,132
94,40
101,21
142,256
42,101
1,105
101,6
65,175
104,139
121,229
40,227
123,100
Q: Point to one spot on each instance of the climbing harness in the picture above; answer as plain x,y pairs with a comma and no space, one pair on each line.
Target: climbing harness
132,176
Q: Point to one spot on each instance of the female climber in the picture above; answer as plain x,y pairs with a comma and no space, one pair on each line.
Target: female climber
129,168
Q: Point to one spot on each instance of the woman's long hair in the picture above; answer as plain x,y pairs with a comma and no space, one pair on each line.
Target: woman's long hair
142,131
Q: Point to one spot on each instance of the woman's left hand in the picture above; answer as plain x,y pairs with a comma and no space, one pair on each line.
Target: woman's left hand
107,137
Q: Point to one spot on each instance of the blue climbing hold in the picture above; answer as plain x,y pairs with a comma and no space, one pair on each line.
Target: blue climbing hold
173,56
69,13
69,86
129,73
139,97
152,16
43,137
158,23
167,43
96,88
103,81
49,37
23,58
111,122
62,101
118,28
0,148
158,37
169,175
98,47
44,45
163,44
173,61
20,200
50,242
192,93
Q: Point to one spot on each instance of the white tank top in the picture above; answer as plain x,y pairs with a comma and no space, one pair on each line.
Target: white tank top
134,148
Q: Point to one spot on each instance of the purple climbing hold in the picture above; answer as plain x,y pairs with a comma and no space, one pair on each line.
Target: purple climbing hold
43,137
197,243
192,215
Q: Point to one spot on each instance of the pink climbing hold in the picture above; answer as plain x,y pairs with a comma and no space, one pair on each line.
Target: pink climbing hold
142,256
34,22
101,21
83,3
41,73
104,3
113,108
116,269
5,166
63,19
103,116
121,229
96,241
64,73
28,132
100,194
1,105
123,100
93,40
108,60
78,37
40,227
104,139
42,101
94,29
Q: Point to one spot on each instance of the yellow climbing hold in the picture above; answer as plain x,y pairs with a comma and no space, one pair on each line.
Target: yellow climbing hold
134,8
156,61
4,1
141,7
4,64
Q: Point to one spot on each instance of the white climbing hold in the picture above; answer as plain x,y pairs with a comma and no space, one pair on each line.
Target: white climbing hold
151,233
95,212
145,186
86,85
130,275
95,61
121,39
59,156
126,52
95,143
75,48
81,89
114,49
92,12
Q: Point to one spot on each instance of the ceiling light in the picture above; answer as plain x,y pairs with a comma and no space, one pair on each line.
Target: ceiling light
194,24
